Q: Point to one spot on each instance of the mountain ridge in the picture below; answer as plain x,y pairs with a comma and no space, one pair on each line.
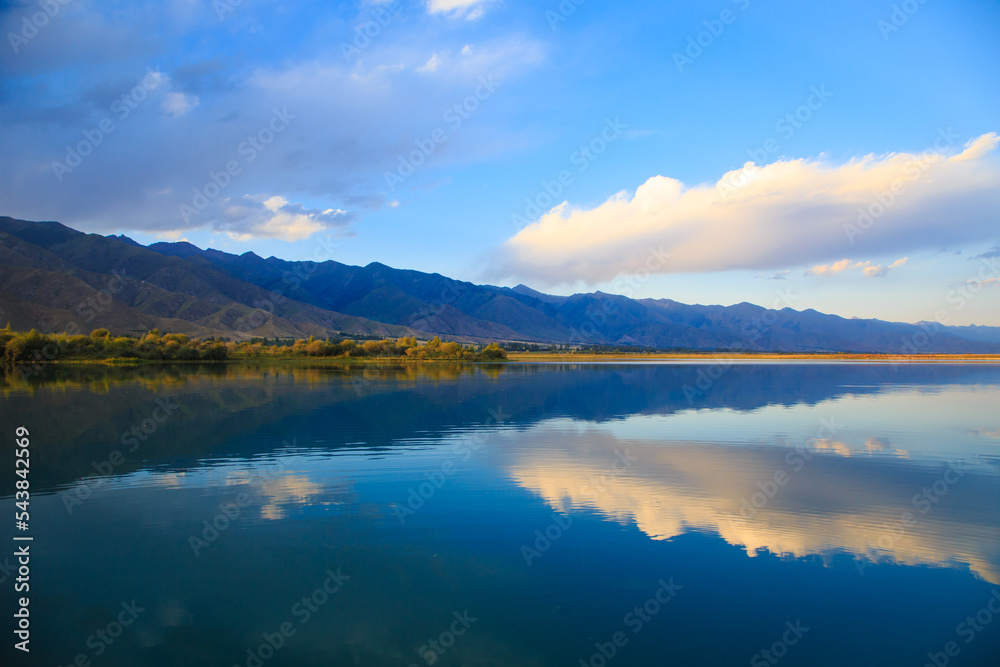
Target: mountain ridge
47,270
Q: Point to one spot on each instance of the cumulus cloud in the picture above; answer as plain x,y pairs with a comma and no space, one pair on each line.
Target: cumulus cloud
899,262
275,217
346,129
785,214
868,268
826,269
680,488
467,9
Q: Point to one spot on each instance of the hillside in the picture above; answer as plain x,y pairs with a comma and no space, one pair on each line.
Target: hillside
52,276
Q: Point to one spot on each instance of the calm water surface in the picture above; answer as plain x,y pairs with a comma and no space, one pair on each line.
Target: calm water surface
619,514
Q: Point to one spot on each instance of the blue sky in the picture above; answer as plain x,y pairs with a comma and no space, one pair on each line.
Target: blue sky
434,136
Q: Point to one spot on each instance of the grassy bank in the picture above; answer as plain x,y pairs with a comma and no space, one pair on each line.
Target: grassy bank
32,347
100,347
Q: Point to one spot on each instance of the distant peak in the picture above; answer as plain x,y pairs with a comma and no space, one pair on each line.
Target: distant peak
181,249
173,244
125,239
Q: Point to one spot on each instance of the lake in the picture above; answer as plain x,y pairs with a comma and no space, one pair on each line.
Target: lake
517,514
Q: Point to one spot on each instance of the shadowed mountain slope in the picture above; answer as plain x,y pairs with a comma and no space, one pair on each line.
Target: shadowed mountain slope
49,274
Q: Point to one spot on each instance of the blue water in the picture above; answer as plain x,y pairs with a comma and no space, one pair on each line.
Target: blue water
619,514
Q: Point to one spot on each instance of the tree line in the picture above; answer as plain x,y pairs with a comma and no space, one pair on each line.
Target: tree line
32,346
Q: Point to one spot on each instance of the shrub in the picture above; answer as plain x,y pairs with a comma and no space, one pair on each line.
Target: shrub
215,352
25,347
493,352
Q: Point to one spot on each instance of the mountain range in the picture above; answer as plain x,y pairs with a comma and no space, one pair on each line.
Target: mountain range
55,278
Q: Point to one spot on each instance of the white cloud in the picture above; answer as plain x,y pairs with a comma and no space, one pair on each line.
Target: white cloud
178,104
826,269
467,9
785,214
982,283
347,133
869,269
499,58
680,487
873,270
275,217
431,65
175,235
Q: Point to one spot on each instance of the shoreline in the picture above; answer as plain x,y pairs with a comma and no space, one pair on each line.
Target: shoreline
763,356
537,357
